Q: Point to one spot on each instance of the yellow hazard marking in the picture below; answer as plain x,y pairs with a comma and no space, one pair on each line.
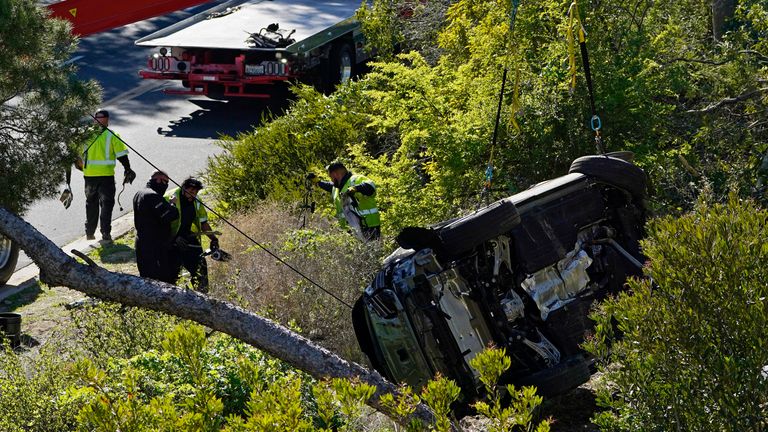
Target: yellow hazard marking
73,12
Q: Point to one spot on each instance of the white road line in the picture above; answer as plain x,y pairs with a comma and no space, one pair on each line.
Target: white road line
145,87
72,60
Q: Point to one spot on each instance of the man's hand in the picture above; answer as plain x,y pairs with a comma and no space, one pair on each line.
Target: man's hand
129,176
66,197
214,244
351,191
314,179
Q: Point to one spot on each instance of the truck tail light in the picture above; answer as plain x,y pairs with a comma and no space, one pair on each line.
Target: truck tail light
167,64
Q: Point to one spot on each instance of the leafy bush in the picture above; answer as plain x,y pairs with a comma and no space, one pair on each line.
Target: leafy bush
518,411
33,392
273,160
192,383
692,350
107,331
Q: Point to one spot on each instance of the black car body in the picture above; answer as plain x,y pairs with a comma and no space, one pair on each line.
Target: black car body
521,273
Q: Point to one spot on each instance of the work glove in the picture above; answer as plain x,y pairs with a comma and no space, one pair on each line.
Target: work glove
350,192
314,179
129,176
66,197
214,244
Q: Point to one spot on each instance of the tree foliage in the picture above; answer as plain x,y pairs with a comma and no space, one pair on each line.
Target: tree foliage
688,352
421,126
41,103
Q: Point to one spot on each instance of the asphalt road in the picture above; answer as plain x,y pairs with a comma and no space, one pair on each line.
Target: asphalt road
175,133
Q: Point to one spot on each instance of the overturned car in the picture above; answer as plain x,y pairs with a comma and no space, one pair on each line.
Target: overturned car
521,273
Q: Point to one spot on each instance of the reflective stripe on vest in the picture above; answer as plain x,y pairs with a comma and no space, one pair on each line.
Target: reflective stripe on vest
367,212
107,145
101,162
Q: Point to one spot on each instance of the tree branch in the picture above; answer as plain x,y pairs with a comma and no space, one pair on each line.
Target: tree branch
266,335
729,101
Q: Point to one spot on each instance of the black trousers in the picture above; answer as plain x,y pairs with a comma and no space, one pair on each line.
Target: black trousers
99,201
372,233
152,259
186,252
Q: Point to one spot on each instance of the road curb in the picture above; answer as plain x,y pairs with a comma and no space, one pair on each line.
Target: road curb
27,276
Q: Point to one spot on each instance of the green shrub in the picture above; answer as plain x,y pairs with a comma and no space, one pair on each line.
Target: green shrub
515,414
108,331
692,352
33,392
273,160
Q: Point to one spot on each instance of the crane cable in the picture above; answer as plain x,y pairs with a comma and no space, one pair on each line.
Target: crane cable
488,179
264,248
574,18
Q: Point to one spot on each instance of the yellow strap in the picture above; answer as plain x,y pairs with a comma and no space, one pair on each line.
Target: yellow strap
573,18
516,99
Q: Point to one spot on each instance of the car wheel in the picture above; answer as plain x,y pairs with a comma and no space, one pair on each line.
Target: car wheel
613,171
9,254
464,234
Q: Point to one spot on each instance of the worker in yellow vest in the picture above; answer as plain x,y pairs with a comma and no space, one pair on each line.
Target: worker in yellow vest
186,230
97,161
355,199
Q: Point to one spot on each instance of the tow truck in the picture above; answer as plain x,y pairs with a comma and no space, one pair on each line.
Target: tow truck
238,48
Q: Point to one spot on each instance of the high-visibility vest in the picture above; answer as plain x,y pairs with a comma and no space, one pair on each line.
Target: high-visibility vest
201,215
366,205
100,154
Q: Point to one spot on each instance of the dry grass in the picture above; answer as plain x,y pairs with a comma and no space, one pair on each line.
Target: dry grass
329,256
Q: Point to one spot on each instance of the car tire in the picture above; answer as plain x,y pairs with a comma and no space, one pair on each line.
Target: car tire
465,233
613,171
9,255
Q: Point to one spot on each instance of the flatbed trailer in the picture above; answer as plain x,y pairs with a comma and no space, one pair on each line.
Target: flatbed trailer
244,48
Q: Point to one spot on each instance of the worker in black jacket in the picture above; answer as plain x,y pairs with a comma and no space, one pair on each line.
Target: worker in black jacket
153,215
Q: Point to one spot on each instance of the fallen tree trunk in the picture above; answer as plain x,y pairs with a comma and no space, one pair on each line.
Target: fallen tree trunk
59,269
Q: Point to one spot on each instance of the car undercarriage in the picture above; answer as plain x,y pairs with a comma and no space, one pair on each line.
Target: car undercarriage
522,274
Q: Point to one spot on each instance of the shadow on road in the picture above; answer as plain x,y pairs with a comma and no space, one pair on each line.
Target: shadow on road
216,118
22,298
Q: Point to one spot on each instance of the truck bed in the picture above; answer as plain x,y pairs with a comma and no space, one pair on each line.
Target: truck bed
315,22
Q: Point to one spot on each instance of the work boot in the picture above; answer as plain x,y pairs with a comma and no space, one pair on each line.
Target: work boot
90,237
106,239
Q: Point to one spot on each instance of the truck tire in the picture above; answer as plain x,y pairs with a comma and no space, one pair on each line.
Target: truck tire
613,171
464,234
340,67
9,255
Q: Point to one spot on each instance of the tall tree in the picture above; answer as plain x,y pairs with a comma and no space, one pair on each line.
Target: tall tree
42,102
722,13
